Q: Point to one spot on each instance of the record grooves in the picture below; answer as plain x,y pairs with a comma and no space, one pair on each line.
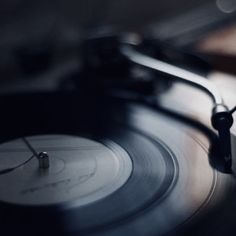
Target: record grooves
148,165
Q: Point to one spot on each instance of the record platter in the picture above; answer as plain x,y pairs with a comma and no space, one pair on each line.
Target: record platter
110,158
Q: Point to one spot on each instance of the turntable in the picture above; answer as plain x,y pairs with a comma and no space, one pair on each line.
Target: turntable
122,153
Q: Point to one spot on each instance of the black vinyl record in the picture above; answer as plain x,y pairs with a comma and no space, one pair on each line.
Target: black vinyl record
114,169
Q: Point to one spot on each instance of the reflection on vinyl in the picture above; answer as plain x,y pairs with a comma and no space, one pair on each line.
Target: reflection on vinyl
147,174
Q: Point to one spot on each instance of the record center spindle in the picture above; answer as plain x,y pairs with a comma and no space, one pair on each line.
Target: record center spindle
43,158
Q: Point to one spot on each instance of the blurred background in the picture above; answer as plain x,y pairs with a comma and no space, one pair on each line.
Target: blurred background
38,36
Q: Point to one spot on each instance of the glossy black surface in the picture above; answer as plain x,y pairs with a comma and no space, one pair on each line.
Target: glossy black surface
173,187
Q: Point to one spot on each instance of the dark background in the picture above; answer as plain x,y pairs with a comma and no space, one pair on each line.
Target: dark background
22,20
55,29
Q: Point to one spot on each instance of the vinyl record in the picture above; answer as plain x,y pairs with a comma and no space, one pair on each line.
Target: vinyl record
128,170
